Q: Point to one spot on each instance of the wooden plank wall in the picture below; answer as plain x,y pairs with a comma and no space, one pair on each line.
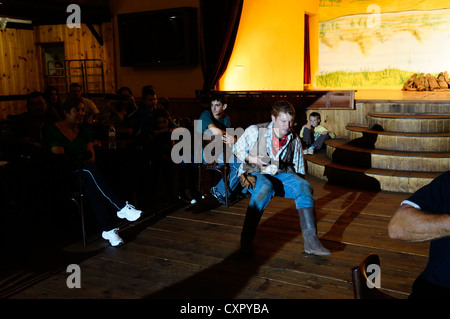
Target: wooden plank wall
81,44
18,68
21,69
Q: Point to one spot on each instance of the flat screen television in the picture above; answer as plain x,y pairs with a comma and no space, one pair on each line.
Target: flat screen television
159,38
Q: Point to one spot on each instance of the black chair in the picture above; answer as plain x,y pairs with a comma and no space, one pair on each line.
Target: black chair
222,169
77,196
360,279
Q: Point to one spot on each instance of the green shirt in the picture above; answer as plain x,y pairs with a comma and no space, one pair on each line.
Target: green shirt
56,138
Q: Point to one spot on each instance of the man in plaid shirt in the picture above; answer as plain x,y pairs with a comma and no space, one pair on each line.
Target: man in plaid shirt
272,154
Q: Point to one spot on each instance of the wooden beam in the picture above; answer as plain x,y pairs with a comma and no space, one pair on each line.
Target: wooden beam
95,33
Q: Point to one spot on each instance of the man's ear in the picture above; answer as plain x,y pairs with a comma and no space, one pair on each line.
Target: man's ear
225,106
273,118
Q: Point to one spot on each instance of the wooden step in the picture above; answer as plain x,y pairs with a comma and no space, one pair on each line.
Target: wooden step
401,141
411,122
322,167
346,152
411,115
409,107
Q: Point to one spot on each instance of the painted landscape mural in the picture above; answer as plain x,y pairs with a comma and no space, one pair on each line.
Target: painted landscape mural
380,44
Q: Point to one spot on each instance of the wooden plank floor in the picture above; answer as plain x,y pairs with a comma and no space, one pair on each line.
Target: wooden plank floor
193,253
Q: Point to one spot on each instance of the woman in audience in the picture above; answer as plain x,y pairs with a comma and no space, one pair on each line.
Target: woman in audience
69,137
130,101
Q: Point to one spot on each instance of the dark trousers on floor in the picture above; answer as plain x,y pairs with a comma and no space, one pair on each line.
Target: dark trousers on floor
308,139
102,198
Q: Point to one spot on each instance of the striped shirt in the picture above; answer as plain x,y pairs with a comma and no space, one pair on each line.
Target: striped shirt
249,139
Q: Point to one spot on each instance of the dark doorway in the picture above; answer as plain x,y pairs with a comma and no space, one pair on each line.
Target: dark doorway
53,57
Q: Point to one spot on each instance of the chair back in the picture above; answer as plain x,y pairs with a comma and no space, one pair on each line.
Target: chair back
360,280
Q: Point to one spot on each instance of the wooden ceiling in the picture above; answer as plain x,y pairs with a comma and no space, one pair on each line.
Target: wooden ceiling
55,11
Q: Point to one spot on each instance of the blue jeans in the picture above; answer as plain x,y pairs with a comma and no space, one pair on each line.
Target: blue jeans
233,180
287,185
233,175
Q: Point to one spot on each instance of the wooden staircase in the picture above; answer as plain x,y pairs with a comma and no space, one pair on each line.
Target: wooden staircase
403,147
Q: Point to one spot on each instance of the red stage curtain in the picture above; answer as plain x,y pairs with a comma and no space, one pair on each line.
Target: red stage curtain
219,22
307,57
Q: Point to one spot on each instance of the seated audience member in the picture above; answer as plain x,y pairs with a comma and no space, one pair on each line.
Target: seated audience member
70,138
92,110
188,174
313,134
130,101
424,216
163,103
163,122
29,127
163,166
141,120
143,116
163,127
215,122
53,101
162,145
115,113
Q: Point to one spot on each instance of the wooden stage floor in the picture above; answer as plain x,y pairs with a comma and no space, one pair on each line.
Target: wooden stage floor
192,253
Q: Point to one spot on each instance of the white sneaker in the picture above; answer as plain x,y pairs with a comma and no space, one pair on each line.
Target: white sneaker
129,212
113,237
310,151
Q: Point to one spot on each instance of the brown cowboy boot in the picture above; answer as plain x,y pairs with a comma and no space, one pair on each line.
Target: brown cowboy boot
312,244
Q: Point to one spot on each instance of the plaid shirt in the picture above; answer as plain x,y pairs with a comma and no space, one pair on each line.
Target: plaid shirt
250,137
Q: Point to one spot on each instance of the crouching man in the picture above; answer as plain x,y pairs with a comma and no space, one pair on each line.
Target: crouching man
271,156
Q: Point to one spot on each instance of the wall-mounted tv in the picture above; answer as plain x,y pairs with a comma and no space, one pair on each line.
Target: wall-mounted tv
159,38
